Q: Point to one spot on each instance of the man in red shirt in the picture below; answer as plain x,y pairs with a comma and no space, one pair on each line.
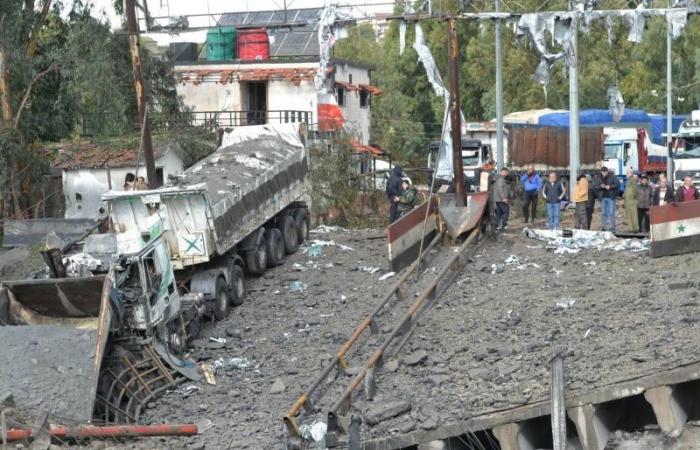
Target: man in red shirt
687,191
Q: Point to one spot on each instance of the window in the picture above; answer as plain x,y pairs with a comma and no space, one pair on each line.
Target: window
350,78
340,93
159,176
364,99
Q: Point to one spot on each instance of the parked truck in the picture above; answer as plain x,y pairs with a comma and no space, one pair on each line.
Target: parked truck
686,157
631,147
173,257
475,156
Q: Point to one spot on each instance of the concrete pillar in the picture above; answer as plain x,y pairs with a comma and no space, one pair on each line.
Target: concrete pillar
513,436
670,413
594,424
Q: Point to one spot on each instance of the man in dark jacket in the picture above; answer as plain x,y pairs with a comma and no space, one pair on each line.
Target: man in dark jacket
663,194
502,194
593,193
687,191
531,186
608,195
553,192
393,192
645,195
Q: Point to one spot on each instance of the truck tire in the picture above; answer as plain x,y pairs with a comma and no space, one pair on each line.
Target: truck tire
288,227
257,258
301,217
236,285
221,299
275,247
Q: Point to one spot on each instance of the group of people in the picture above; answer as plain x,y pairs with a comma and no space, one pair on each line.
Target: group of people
133,183
401,193
639,195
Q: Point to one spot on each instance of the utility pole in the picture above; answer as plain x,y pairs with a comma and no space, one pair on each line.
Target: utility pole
574,157
455,119
140,92
499,95
669,103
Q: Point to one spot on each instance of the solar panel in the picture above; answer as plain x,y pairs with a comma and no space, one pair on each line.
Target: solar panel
263,18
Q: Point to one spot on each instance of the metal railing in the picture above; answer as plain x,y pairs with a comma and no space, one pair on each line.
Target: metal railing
217,119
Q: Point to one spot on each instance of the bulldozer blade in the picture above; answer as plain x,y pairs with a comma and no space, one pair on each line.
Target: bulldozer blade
459,219
30,232
53,344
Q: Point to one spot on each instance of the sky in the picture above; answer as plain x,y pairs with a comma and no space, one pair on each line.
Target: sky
183,7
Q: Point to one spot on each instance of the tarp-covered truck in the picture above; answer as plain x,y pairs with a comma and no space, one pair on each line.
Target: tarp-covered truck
172,256
238,210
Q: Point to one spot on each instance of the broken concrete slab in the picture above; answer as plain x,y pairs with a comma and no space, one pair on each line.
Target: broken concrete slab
385,411
277,386
416,358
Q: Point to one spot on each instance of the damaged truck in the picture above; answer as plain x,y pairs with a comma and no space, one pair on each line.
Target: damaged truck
102,345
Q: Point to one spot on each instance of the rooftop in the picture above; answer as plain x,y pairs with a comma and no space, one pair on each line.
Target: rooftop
297,38
89,155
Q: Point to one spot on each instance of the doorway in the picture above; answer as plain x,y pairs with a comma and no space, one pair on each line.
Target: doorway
254,103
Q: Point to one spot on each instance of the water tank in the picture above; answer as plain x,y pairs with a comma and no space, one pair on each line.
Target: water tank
253,44
221,44
183,51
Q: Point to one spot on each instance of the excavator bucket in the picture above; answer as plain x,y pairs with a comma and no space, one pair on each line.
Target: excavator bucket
54,334
459,219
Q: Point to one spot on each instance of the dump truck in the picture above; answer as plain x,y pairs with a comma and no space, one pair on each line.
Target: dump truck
631,147
686,157
172,258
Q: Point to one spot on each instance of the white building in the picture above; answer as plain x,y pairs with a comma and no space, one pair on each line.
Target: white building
278,89
89,170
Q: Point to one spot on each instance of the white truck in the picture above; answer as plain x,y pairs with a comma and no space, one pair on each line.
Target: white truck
631,147
686,158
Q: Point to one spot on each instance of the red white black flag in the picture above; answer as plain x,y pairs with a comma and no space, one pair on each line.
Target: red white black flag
675,228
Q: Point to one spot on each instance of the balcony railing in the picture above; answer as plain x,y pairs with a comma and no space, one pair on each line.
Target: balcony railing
211,120
218,119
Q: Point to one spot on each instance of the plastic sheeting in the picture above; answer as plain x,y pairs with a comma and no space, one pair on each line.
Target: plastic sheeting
594,118
288,132
577,240
658,127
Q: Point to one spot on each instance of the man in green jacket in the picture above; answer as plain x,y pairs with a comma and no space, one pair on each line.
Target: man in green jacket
630,197
407,199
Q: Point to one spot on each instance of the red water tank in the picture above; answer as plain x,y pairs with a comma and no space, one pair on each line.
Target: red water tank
253,44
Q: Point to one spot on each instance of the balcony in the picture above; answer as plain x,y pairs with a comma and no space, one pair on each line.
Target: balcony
228,119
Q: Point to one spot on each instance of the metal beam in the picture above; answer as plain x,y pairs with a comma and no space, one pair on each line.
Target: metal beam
455,116
669,103
499,95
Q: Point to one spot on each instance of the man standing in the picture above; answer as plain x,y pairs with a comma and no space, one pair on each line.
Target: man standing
662,194
502,194
407,199
553,193
687,191
393,192
581,201
608,195
531,185
645,195
630,197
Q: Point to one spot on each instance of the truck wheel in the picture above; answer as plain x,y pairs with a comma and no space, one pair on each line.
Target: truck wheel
275,247
256,259
236,285
221,299
301,218
290,235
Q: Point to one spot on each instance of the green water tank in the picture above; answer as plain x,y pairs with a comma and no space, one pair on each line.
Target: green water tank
221,44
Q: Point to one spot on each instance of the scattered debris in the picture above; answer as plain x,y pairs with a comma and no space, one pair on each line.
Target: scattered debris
381,412
314,251
370,270
277,386
297,286
387,276
565,303
231,364
320,243
416,358
573,241
322,229
188,390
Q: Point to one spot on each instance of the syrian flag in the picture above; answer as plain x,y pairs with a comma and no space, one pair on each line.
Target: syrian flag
675,228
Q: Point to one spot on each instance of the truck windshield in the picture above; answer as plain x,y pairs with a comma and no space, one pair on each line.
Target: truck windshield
692,148
470,158
612,151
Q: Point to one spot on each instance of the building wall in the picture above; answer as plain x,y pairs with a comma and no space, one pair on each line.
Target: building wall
358,119
83,189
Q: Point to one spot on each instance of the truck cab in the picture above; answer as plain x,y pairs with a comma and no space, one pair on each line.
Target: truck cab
686,160
631,147
474,157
